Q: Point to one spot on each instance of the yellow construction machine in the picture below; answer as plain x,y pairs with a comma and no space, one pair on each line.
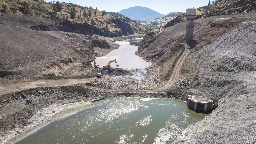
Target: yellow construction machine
105,68
108,65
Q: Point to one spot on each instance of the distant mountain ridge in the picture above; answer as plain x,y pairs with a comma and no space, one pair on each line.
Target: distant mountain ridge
141,13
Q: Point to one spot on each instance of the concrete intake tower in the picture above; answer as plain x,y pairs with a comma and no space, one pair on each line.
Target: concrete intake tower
190,15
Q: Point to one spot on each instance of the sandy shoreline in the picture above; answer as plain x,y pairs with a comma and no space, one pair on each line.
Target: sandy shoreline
44,117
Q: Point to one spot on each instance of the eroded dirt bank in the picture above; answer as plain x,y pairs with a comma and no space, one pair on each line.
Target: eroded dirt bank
30,54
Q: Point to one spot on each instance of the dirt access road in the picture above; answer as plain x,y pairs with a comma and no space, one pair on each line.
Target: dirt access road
176,71
20,86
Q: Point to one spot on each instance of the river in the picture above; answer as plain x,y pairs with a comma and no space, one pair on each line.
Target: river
120,120
125,57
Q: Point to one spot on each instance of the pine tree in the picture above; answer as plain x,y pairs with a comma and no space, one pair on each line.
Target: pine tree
73,13
57,7
90,13
95,12
84,14
92,22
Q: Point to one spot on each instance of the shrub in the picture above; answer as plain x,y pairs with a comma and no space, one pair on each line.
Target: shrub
24,8
5,8
104,12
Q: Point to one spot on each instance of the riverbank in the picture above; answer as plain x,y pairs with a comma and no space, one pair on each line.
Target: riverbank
44,117
17,117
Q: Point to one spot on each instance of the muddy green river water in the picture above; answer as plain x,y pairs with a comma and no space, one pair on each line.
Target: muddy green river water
119,120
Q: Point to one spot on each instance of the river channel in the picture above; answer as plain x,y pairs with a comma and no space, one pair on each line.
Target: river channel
125,57
120,120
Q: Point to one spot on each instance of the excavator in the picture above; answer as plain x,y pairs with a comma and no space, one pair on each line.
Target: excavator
107,67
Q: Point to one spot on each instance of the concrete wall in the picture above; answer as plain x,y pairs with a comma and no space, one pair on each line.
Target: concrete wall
199,107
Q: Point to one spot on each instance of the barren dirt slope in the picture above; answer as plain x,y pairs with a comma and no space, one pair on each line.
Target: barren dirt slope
232,58
27,53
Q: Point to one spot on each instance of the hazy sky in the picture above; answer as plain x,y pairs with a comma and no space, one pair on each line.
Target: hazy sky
162,6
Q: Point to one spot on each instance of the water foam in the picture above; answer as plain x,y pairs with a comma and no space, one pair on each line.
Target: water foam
144,122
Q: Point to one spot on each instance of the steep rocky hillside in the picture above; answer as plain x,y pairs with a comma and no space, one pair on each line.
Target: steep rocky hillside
69,17
222,65
226,7
229,64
